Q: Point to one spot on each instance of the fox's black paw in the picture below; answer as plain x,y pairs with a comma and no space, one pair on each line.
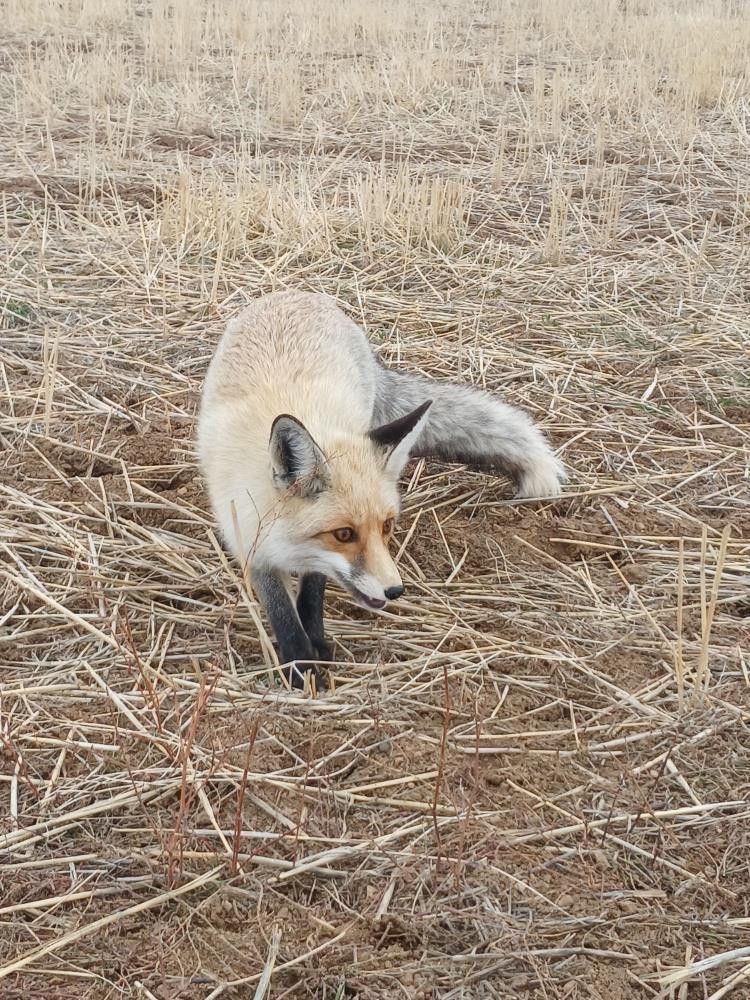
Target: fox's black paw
323,650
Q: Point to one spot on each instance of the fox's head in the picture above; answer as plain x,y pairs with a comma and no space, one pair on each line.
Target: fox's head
338,509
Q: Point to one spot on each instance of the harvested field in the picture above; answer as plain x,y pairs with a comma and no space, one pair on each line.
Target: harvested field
532,779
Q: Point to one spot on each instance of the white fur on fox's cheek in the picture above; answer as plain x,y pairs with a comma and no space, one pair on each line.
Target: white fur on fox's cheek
334,565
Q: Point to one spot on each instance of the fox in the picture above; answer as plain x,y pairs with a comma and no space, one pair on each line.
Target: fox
303,433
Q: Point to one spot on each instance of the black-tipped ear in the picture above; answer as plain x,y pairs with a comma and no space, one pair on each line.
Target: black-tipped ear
389,435
399,436
297,461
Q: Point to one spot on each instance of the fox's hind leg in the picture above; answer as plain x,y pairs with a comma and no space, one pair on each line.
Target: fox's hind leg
312,590
294,645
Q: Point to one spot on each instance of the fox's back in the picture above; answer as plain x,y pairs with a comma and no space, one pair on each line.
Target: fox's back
297,353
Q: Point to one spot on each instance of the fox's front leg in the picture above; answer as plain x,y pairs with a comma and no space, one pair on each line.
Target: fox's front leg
293,642
312,590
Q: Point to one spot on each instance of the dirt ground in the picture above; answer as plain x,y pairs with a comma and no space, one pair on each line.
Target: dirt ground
532,777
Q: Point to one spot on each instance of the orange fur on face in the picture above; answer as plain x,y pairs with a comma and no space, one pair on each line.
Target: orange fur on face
367,548
359,495
376,558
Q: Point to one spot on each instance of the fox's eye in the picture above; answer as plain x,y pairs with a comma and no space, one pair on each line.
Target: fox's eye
388,526
344,534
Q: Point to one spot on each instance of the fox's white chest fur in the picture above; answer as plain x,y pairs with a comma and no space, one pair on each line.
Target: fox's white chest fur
302,435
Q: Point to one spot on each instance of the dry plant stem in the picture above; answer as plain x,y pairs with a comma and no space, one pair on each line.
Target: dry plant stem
707,612
441,762
241,799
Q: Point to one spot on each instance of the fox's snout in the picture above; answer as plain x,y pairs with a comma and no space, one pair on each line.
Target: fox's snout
381,580
371,600
376,603
375,579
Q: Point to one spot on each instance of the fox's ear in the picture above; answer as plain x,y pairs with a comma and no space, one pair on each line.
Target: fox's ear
298,463
399,437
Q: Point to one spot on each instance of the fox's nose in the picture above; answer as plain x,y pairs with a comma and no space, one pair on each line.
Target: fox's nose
393,593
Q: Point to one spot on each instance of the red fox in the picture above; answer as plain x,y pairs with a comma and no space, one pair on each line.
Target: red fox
302,437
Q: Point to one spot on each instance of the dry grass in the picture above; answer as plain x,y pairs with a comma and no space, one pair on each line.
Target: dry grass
532,777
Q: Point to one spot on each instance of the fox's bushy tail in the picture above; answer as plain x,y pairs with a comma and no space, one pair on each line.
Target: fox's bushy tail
470,426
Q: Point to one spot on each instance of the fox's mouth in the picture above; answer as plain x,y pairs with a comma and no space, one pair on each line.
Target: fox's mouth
371,603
